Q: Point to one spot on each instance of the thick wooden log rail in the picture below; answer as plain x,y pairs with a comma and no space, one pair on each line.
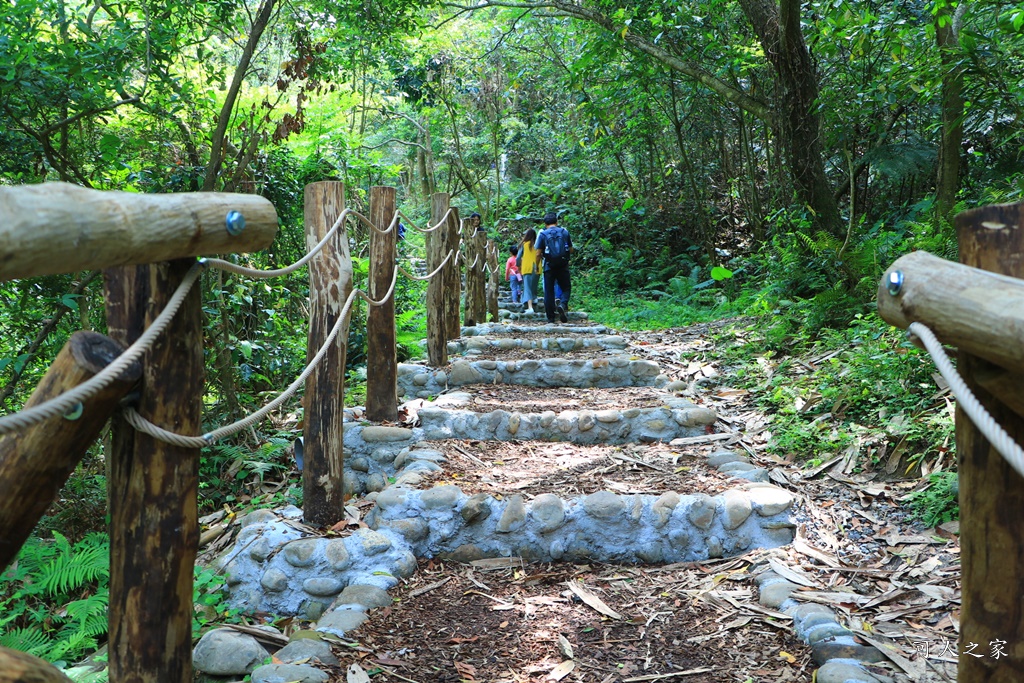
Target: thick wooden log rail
979,306
494,262
62,228
35,463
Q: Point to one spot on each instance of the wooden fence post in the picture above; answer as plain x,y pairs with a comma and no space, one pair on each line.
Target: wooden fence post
153,486
437,248
476,258
35,463
991,492
493,261
381,345
453,278
330,283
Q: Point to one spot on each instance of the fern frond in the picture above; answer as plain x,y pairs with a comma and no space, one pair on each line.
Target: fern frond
71,570
30,640
94,605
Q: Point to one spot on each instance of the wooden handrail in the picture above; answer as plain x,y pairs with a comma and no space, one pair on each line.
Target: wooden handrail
62,228
978,311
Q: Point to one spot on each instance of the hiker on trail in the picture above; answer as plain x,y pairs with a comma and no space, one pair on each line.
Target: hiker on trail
528,261
556,246
512,274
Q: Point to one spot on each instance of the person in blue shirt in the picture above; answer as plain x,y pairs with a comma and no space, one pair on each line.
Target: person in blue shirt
555,244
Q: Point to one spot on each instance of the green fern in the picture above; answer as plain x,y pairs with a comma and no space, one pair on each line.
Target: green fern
74,567
54,598
27,639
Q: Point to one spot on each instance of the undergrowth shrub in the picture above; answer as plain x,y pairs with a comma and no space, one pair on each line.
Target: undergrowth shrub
939,503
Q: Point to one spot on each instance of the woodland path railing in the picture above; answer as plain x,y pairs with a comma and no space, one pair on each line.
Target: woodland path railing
148,245
978,306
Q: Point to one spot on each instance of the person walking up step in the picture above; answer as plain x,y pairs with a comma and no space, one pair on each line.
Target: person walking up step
555,244
512,274
528,261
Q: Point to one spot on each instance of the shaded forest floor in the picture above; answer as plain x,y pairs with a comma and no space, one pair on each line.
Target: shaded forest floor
895,584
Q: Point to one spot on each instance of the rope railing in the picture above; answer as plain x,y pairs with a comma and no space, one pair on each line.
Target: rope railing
65,402
431,228
986,424
143,425
429,276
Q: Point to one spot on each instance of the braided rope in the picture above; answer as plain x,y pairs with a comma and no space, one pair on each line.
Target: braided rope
394,222
432,228
263,274
986,424
447,257
143,425
62,404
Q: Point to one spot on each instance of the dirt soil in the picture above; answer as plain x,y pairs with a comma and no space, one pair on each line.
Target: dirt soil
526,399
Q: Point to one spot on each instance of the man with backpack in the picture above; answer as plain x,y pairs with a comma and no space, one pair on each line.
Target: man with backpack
556,246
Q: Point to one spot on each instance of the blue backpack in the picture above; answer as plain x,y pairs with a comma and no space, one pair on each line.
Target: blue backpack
556,247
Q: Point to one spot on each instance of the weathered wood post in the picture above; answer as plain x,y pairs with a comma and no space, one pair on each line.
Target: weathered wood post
991,492
381,345
493,261
476,257
437,248
35,463
153,486
330,284
21,667
453,278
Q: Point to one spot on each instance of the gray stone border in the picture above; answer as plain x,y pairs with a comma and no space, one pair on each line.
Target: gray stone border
487,329
421,381
481,344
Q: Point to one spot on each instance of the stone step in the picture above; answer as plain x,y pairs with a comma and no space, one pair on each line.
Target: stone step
487,329
274,567
506,314
478,345
420,381
611,426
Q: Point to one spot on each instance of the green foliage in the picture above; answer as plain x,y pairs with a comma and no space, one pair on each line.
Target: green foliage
54,597
872,392
939,502
209,598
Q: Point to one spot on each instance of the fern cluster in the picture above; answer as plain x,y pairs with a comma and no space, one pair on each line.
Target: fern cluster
54,597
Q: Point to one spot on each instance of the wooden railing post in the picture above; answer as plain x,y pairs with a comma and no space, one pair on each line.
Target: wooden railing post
476,258
330,283
453,278
35,463
991,492
437,248
493,261
381,345
153,486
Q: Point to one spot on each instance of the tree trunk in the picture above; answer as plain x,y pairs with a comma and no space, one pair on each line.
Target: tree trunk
217,142
778,29
951,111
